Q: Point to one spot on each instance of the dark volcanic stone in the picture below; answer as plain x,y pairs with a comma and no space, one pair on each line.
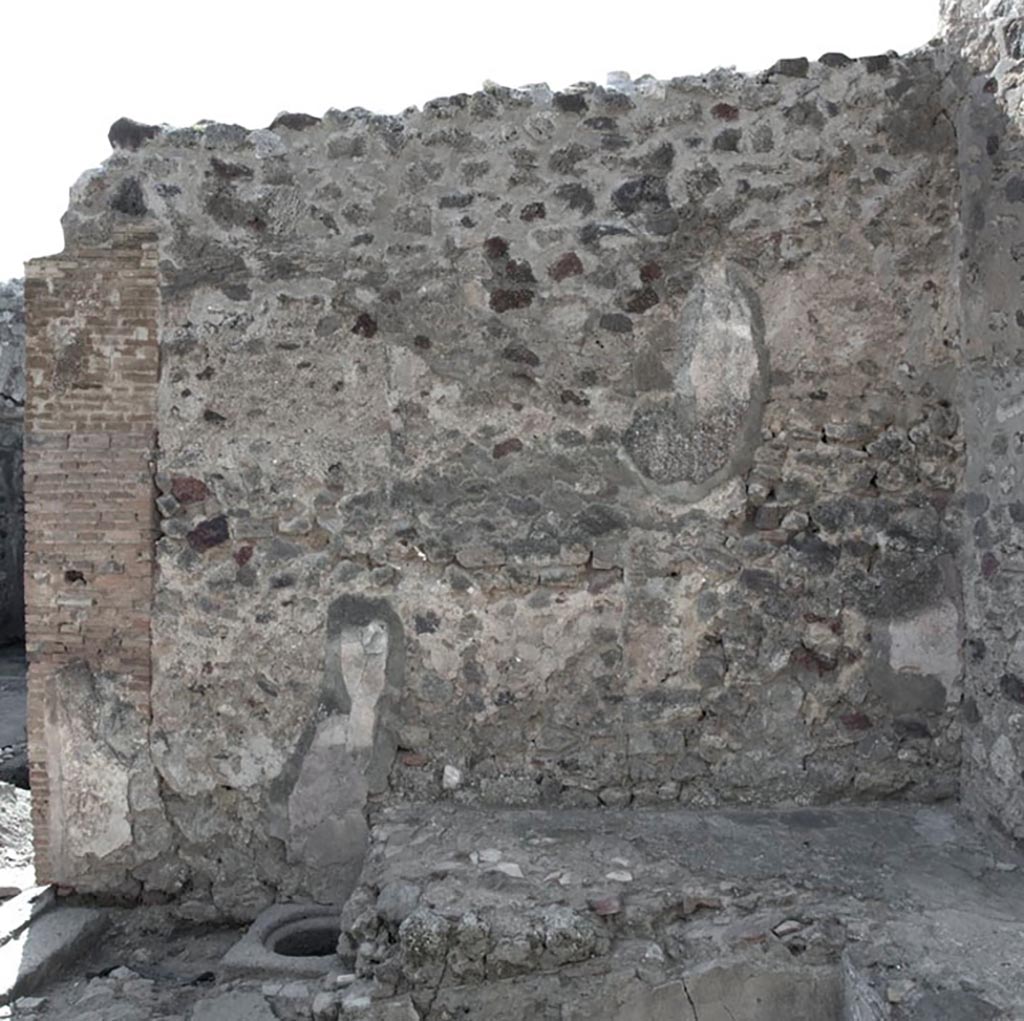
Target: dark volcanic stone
641,191
294,121
1014,189
911,730
1012,688
504,300
520,271
641,300
522,354
615,322
510,446
365,325
567,265
727,141
208,534
577,196
427,623
230,171
186,489
792,68
591,233
128,198
876,64
455,201
125,133
570,102
971,713
495,248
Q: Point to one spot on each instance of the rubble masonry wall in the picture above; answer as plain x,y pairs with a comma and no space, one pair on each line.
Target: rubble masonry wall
595,448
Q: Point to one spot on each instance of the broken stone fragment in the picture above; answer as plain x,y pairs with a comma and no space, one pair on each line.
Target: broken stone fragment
897,992
294,121
568,936
796,521
423,938
300,525
508,868
125,133
793,68
208,534
290,1000
787,928
615,797
396,901
167,505
606,906
186,489
31,1004
325,1006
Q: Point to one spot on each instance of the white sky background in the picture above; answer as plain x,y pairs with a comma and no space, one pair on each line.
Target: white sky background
69,68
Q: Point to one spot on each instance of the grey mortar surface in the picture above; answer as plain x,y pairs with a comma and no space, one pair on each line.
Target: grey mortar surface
910,900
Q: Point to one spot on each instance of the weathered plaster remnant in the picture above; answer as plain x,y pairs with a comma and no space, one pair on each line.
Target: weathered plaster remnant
104,785
711,415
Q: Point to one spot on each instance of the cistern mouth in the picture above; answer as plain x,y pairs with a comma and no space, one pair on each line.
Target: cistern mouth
308,937
295,940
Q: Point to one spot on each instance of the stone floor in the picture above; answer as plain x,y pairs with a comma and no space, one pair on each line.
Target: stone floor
859,914
13,760
17,869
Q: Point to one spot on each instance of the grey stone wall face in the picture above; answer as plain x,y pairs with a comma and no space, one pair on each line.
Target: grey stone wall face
590,448
12,403
982,31
992,243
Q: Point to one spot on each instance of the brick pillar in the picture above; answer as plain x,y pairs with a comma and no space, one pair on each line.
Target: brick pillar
90,425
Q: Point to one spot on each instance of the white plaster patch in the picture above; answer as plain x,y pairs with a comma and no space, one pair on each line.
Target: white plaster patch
363,654
1003,760
96,809
723,368
928,643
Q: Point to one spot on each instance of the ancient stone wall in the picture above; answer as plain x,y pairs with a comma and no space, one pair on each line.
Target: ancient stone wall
90,429
12,510
588,448
990,125
982,31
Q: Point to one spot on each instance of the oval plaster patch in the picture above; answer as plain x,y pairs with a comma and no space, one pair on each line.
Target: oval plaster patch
707,429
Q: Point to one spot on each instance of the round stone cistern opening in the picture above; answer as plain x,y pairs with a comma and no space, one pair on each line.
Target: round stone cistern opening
307,937
289,940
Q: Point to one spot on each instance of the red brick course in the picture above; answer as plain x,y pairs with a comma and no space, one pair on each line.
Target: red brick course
92,370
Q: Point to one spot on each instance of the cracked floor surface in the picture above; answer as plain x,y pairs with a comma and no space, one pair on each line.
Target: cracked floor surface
618,915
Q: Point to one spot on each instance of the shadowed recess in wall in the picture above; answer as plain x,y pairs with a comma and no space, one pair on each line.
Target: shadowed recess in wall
346,750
